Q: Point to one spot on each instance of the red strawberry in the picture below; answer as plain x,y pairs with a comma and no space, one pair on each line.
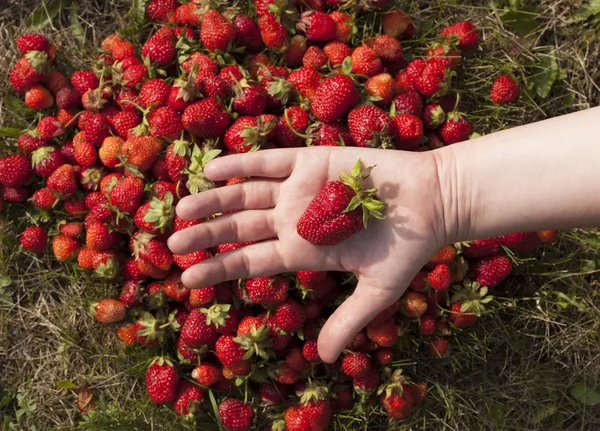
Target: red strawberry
154,93
440,277
397,400
131,293
465,32
196,332
295,420
445,255
249,99
432,79
439,347
318,26
134,76
365,61
310,351
336,52
68,98
34,239
188,399
28,71
161,10
371,127
381,88
247,33
127,334
339,210
126,195
384,356
17,195
97,129
15,170
409,131
72,229
413,304
306,80
236,415
162,380
272,32
295,359
314,57
62,182
295,51
207,374
335,132
316,407
32,42
229,352
433,116
356,365
206,118
165,123
145,246
99,237
480,248
141,152
160,47
504,90
334,97
290,316
38,97
445,55
387,48
547,236
344,26
84,80
49,128
456,128
247,133
397,24
267,290
75,207
216,33
30,141
386,334
173,287
491,271
109,311
409,102
273,393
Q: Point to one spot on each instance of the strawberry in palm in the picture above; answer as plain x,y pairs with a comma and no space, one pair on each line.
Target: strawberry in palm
340,209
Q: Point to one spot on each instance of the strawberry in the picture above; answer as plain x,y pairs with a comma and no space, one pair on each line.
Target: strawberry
32,42
109,311
110,150
145,246
30,141
197,332
216,33
49,128
397,24
205,119
177,159
154,93
409,102
283,134
127,100
34,239
336,52
397,400
273,393
334,97
295,51
314,57
504,90
547,236
72,229
126,195
200,297
310,352
187,14
445,255
247,133
432,79
344,26
384,356
207,374
127,334
15,170
109,181
386,334
249,99
99,237
336,132
162,381
38,97
267,290
456,128
445,55
356,365
381,89
286,375
27,72
318,26
433,116
491,271
75,207
62,182
68,98
236,415
134,76
409,131
161,10
141,152
188,399
440,277
203,62
289,316
465,32
439,347
131,293
365,61
160,47
413,304
97,129
157,215
84,80
371,127
296,360
316,406
387,48
480,248
247,33
513,240
172,286
273,33
55,81
295,420
165,123
229,352
306,80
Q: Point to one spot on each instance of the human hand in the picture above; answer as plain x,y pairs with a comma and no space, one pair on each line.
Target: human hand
385,257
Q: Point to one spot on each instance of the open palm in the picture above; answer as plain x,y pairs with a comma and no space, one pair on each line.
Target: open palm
385,257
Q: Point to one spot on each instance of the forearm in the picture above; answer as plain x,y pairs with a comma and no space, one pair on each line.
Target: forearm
539,176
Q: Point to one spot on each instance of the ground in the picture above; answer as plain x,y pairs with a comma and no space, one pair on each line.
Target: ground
532,363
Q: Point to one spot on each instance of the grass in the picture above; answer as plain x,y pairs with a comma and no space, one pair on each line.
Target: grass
525,366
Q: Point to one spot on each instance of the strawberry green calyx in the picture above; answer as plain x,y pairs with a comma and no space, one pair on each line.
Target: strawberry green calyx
256,342
473,296
197,181
280,89
161,212
108,269
91,177
38,60
315,391
39,156
255,136
217,314
155,328
371,206
140,241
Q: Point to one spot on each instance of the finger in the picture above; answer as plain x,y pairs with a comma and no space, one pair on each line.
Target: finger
350,317
257,194
242,226
256,260
276,163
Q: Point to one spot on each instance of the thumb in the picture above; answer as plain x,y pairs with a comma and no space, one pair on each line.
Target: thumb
353,315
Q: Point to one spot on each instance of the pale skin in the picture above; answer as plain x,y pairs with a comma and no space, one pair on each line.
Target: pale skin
540,176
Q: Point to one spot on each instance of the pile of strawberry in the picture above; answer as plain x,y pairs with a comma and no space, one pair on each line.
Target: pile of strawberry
131,136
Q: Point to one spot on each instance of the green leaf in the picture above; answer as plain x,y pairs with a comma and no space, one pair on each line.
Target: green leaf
9,132
521,20
425,26
544,74
44,14
5,281
76,29
586,11
66,384
138,13
543,413
213,402
585,395
18,107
